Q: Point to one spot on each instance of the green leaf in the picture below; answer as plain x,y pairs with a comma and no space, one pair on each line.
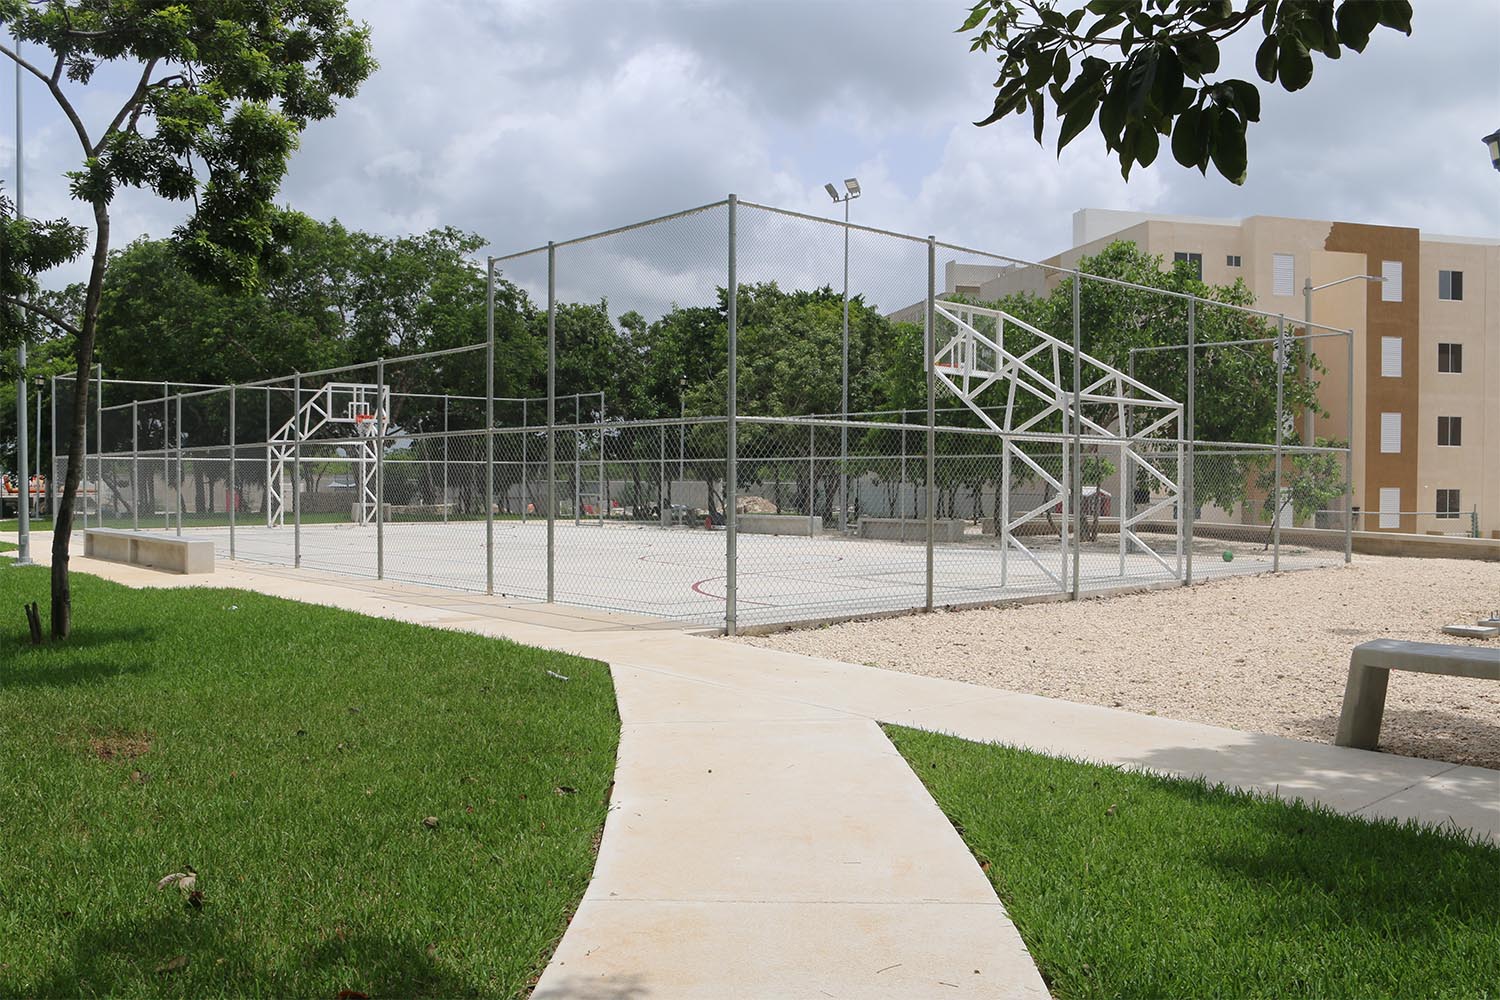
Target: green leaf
1198,56
1355,20
1294,64
1265,59
1268,16
1037,120
1062,67
1141,74
1189,143
976,17
1147,145
1244,96
1075,19
1076,120
1228,146
1396,14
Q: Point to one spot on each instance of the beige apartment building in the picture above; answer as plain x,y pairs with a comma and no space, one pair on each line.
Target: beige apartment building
1426,378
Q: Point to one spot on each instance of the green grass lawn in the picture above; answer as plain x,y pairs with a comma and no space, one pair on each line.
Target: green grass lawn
1128,885
290,754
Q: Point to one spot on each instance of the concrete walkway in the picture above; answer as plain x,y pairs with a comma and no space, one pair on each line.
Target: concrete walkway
764,837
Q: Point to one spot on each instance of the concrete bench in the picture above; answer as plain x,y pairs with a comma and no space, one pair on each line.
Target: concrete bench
142,548
778,524
1370,669
912,529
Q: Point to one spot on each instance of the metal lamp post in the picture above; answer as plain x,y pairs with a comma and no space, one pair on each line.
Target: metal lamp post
1307,291
851,191
23,470
1493,142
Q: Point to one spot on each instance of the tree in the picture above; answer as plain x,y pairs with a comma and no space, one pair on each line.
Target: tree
1150,68
225,90
1310,481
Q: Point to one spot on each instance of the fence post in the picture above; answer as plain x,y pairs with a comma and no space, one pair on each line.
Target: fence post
233,499
1276,494
489,427
443,502
929,352
1474,522
812,472
1188,489
661,474
577,461
99,448
1076,485
525,500
551,421
52,451
1349,457
601,498
296,471
135,466
178,439
379,470
266,501
731,470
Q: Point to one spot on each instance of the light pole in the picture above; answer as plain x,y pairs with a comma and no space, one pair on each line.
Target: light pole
851,191
1307,289
23,467
1493,142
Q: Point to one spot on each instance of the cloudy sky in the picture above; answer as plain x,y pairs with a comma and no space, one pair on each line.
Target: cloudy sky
529,121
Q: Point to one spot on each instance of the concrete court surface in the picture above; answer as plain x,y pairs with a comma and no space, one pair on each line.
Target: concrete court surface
764,838
678,573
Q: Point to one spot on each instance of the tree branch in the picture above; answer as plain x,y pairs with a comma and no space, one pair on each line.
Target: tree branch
43,312
129,106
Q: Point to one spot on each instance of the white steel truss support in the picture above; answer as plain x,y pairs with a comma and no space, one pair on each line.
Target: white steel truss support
1113,409
364,407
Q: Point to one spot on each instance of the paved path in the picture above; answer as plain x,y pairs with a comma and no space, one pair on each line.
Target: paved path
764,837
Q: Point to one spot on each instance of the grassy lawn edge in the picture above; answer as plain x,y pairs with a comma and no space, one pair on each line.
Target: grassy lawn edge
1126,883
291,754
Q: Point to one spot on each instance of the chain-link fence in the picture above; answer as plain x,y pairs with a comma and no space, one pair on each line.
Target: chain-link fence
740,416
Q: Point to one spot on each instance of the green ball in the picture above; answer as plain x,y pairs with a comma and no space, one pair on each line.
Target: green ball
1228,556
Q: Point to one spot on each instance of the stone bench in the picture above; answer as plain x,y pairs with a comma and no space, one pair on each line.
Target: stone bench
143,548
912,529
778,524
1370,669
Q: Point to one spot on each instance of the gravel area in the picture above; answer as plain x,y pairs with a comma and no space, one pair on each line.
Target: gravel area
1263,653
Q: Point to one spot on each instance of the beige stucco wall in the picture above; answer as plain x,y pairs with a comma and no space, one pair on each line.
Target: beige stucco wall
1473,468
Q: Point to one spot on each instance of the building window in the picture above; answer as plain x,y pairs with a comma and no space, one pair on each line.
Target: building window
1390,433
1390,506
1450,432
1195,259
1451,286
1390,357
1451,358
1447,503
1390,288
1282,273
1232,260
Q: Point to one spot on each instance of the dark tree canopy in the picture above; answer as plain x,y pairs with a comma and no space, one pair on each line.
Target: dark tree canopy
1149,69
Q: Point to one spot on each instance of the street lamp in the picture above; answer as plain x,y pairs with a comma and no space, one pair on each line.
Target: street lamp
1493,141
851,191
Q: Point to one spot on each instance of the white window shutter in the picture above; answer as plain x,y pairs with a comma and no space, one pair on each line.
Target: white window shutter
1390,288
1282,266
1390,507
1390,357
1390,433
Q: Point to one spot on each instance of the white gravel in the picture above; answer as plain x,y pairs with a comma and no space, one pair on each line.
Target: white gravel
1263,653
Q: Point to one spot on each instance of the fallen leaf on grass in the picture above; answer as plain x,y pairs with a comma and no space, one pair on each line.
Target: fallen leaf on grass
1111,810
173,964
186,880
565,790
431,822
554,673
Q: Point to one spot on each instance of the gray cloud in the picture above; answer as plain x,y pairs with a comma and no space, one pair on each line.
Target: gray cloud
526,121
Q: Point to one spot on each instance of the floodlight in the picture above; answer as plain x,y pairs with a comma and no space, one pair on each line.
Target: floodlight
832,191
852,184
1493,142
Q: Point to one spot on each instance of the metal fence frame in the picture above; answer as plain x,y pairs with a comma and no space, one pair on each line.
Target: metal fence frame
1072,441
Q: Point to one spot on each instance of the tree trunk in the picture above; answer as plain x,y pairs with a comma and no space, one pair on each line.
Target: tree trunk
62,529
